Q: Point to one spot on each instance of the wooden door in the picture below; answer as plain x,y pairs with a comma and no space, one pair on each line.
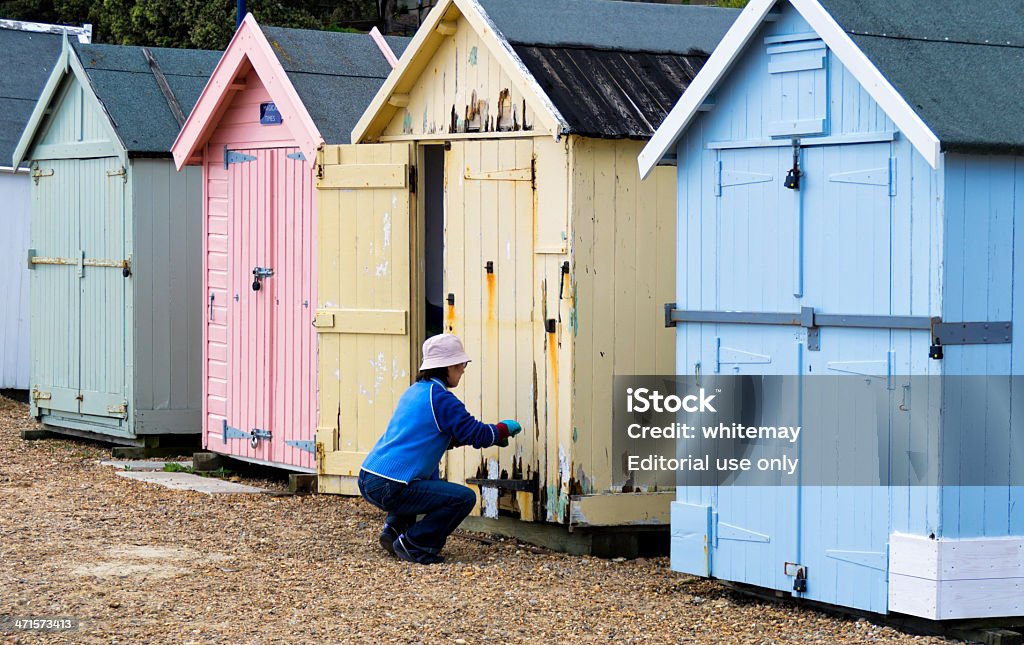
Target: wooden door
368,347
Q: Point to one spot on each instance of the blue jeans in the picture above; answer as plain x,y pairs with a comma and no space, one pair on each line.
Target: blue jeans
443,505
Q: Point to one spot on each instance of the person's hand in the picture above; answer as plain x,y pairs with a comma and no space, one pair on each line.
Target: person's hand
513,427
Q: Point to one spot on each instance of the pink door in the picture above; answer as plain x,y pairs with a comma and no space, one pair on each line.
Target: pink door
272,393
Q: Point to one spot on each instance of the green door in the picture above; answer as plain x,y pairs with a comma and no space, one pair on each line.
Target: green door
79,288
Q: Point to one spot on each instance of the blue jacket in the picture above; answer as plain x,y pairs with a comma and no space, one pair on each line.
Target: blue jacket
427,421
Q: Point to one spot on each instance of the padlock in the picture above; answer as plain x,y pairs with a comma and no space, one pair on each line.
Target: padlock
257,284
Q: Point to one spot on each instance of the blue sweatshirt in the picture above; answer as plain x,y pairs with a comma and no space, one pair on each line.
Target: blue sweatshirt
427,421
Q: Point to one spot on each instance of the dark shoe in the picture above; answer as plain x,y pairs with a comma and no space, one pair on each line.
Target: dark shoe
387,537
404,552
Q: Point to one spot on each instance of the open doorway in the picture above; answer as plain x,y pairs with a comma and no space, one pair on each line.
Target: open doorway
433,234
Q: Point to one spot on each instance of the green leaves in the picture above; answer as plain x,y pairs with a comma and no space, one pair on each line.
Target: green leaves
197,24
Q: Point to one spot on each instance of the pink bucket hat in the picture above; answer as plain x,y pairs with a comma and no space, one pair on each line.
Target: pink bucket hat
443,350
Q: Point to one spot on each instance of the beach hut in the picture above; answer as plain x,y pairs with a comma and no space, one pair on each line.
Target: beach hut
275,97
114,250
850,186
491,191
31,48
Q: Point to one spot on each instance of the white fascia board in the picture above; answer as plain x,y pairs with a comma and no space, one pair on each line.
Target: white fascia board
717,66
881,90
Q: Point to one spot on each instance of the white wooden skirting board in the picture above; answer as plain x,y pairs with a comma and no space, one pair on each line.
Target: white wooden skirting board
947,579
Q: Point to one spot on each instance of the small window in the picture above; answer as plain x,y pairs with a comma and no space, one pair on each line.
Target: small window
799,85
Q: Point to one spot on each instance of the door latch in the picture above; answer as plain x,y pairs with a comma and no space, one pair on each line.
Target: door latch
258,274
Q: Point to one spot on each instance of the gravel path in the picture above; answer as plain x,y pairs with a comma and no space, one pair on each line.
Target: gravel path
140,563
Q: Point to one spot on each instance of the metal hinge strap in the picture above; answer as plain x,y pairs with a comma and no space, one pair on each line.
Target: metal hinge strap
231,156
942,333
307,446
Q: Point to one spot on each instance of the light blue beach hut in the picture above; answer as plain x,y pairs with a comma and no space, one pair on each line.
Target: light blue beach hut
850,200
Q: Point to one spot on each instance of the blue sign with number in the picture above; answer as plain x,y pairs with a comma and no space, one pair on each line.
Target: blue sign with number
269,114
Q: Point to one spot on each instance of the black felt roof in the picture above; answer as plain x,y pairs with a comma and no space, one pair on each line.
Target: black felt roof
611,94
960,65
27,59
612,69
336,74
123,81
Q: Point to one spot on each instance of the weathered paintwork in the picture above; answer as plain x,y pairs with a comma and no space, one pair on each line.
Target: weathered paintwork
577,246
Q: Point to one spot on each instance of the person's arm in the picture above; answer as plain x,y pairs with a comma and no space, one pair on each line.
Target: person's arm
454,419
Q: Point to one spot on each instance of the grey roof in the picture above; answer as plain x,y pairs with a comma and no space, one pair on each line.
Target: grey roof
613,69
32,54
611,94
335,74
960,65
123,81
608,24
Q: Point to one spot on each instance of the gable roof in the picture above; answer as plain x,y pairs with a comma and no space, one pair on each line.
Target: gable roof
33,55
123,83
947,72
336,74
967,64
322,79
597,68
126,86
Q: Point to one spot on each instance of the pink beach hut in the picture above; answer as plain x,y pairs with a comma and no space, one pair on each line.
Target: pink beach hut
275,97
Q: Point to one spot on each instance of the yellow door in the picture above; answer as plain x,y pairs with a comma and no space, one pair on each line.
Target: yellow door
364,302
489,277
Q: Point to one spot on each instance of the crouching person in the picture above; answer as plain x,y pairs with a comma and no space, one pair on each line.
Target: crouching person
400,474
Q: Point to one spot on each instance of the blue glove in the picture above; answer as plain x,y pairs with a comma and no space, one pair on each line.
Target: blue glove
513,427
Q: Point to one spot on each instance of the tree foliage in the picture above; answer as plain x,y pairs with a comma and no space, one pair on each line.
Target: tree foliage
201,24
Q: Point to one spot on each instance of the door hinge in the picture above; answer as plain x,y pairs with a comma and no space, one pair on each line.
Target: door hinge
122,173
118,410
533,172
39,395
254,436
297,156
412,179
40,172
306,446
231,156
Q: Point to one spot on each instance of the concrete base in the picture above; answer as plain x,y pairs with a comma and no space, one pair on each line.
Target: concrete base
301,483
603,542
144,466
186,481
204,462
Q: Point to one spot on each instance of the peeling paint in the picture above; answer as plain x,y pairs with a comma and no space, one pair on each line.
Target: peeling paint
382,269
472,56
387,223
489,494
380,369
337,375
407,123
508,250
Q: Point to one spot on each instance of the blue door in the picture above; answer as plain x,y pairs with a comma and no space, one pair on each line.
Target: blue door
764,248
850,245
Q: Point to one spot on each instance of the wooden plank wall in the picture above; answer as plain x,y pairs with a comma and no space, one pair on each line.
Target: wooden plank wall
14,331
624,255
168,295
983,280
